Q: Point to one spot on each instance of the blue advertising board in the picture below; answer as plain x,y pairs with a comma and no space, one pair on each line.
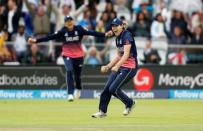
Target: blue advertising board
62,94
186,94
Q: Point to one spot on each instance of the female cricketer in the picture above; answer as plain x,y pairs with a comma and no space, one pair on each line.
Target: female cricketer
72,52
123,67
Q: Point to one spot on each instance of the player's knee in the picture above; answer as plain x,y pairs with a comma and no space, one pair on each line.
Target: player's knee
69,72
112,90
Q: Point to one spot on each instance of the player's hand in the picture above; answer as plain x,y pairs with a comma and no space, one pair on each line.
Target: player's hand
104,69
109,33
32,41
114,68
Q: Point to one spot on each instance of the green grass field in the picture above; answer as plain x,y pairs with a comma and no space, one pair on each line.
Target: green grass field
55,115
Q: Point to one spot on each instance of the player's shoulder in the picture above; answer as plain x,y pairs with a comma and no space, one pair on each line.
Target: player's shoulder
127,33
79,27
63,29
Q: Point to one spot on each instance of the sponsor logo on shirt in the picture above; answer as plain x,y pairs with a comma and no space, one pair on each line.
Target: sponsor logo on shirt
66,34
70,39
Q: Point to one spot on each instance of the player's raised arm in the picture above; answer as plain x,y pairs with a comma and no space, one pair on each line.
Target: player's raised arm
95,33
46,38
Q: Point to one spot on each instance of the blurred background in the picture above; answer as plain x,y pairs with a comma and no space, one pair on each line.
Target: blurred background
166,31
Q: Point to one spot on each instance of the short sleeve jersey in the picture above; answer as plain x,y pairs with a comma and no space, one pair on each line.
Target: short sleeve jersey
127,38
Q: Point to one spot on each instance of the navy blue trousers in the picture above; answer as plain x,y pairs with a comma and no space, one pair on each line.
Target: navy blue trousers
113,87
73,73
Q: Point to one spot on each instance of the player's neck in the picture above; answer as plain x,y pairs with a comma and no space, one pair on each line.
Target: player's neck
70,29
119,34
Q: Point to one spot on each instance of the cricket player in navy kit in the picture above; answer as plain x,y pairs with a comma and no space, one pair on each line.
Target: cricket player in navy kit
72,52
123,67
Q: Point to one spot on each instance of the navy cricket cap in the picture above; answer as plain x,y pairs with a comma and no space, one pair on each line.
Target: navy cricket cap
68,18
117,22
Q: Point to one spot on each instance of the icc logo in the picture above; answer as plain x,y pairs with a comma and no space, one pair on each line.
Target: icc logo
144,80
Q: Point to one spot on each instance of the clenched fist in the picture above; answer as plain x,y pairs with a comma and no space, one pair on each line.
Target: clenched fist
32,41
109,33
104,69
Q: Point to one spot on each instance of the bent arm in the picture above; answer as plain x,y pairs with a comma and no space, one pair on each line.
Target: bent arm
79,10
31,10
113,62
125,55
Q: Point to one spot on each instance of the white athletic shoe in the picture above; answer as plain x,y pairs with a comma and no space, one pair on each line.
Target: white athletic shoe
77,93
70,97
129,109
99,114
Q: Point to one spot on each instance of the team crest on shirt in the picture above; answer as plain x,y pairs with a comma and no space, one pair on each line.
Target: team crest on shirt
76,33
66,34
